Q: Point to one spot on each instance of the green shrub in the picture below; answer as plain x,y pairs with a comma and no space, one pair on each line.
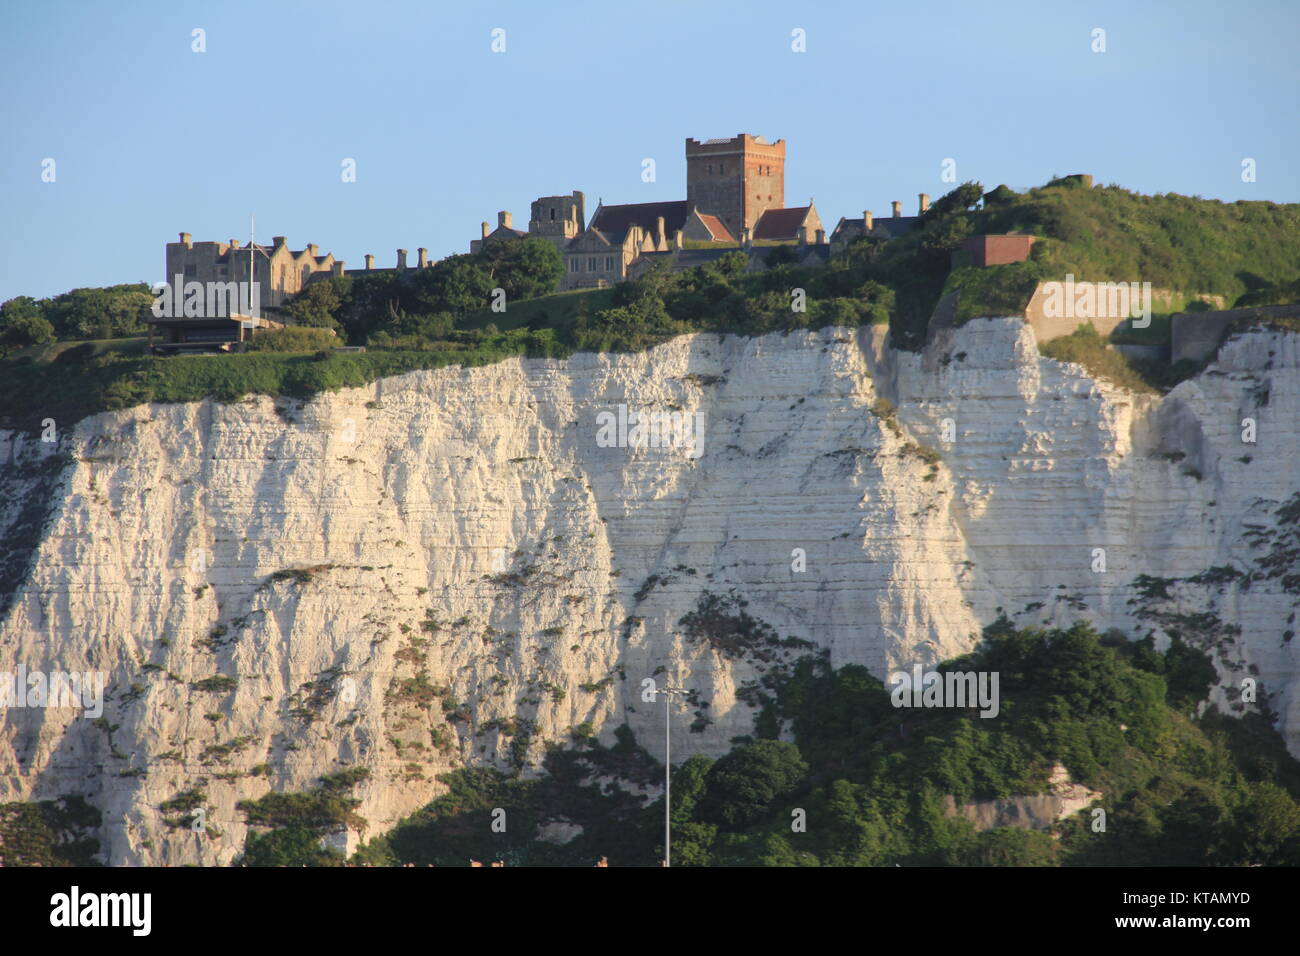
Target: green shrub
293,338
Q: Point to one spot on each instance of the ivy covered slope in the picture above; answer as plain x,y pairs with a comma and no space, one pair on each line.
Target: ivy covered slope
836,775
1244,253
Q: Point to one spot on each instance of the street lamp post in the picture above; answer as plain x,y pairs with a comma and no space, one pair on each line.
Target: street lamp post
668,693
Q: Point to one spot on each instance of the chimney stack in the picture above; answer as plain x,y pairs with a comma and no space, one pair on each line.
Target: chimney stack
898,208
337,267
504,219
423,259
677,239
486,229
925,201
401,258
370,262
821,237
311,249
868,220
234,243
185,240
746,239
278,241
661,234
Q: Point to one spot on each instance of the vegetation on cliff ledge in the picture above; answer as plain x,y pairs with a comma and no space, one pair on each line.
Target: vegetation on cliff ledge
1242,252
836,775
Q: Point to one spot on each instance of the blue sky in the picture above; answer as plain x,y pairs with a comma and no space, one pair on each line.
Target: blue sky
151,139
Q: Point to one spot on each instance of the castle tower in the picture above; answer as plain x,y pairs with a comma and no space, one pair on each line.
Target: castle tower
558,219
735,179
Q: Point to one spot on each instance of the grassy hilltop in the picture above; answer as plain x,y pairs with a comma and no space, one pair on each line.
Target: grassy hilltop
1242,252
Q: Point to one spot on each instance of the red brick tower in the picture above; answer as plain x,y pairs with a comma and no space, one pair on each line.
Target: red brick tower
736,179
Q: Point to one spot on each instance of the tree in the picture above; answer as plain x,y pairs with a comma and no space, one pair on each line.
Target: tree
292,338
291,846
745,785
1269,826
320,304
100,312
524,268
1007,846
457,284
964,197
22,327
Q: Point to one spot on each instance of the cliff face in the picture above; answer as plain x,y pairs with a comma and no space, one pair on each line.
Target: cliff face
450,567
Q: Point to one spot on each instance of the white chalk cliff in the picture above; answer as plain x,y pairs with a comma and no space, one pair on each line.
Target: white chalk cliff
461,542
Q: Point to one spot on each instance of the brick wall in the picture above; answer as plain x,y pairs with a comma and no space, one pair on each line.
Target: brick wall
736,180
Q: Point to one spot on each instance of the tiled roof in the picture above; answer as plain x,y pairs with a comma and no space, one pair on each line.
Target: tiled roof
716,228
615,220
884,227
780,223
891,227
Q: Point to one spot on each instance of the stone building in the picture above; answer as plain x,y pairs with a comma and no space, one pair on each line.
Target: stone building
705,228
736,179
735,192
505,230
799,224
846,230
558,219
278,270
984,251
599,257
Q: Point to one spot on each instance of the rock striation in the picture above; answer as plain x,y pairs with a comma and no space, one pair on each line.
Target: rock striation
451,567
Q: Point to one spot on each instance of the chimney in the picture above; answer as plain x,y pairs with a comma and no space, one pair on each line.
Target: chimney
337,267
311,249
423,257
802,237
868,220
486,229
677,239
185,240
746,239
898,208
278,241
370,262
821,237
924,201
234,243
401,258
504,219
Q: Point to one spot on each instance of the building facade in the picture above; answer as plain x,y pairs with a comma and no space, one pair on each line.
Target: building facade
736,179
278,270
